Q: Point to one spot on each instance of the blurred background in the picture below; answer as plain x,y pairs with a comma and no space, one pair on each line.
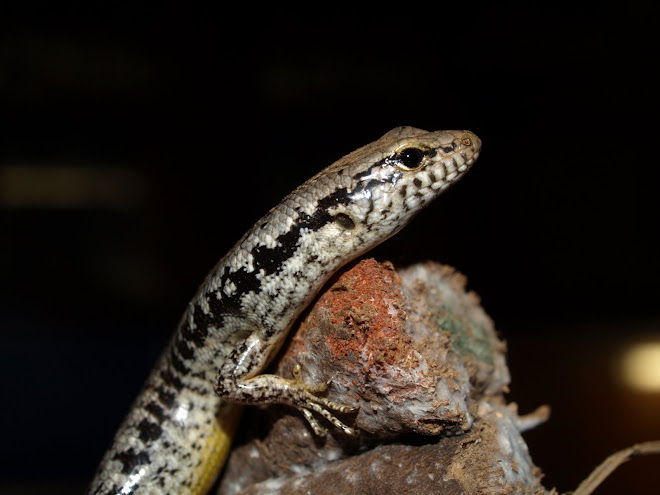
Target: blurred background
138,143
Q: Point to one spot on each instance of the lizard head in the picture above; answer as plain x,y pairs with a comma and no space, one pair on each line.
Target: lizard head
390,180
357,202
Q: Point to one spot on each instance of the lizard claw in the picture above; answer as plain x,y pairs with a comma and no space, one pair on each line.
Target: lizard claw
313,389
322,406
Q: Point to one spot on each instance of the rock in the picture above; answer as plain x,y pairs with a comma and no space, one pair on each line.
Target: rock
421,360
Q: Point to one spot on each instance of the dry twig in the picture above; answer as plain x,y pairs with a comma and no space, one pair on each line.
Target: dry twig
606,468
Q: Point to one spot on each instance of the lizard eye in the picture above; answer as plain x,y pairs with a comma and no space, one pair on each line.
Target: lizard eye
410,158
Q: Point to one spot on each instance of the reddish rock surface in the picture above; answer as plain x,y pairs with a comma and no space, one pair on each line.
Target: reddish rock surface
419,358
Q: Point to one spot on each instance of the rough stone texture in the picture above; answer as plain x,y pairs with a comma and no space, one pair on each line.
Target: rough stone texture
421,360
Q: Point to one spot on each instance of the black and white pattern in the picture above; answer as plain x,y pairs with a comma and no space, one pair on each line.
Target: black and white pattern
178,432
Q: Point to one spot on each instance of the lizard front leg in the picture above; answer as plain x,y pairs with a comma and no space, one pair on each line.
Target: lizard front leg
238,382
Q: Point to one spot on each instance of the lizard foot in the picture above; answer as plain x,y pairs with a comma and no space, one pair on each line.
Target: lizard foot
312,402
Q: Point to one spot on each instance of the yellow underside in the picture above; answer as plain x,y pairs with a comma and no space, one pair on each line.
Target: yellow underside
216,449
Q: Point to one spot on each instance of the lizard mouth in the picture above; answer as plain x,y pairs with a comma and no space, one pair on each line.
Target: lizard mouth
448,169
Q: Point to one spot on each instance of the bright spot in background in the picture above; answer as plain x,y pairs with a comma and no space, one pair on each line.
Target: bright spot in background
641,367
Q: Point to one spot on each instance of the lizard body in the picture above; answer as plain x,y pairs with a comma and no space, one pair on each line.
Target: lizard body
178,432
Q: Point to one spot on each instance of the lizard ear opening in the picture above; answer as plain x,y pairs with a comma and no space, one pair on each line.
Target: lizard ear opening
344,221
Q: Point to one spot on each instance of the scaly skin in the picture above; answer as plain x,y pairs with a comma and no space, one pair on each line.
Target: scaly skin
178,432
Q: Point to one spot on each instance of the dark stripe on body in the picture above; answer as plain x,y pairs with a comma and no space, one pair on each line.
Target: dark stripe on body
156,411
166,397
149,431
130,459
170,379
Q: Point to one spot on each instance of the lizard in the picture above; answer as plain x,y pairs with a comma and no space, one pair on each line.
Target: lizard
178,433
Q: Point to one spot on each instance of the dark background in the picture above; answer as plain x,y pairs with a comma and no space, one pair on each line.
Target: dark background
137,144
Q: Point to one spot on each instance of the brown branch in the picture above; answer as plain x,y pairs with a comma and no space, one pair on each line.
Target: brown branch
606,468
